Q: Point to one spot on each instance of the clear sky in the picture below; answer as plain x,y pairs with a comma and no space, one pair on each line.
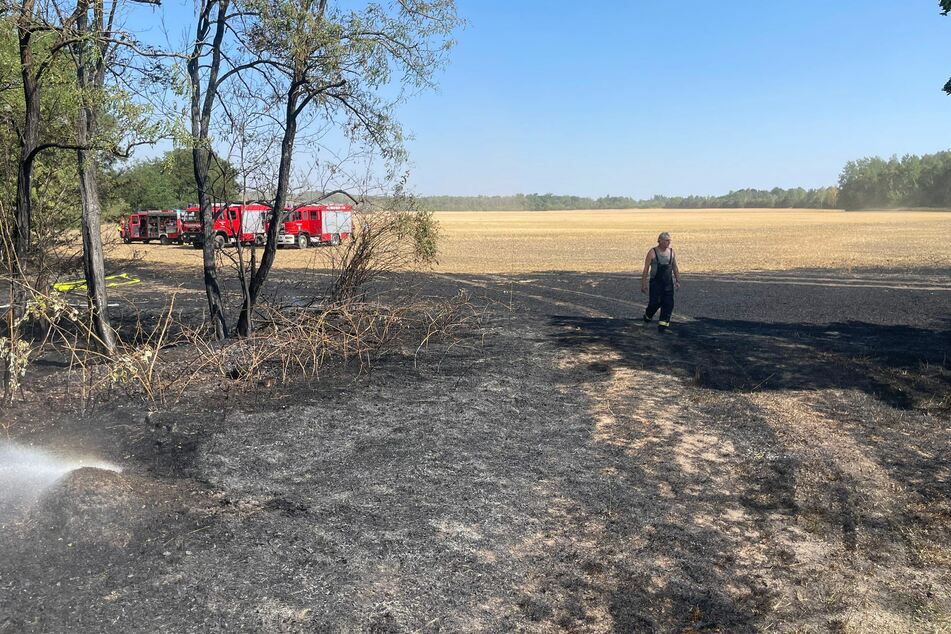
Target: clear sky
690,97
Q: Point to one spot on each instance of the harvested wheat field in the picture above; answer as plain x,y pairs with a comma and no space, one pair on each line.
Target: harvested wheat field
613,241
709,239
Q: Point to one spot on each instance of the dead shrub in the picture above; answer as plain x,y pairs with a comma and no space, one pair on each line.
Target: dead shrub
161,362
291,343
171,357
391,240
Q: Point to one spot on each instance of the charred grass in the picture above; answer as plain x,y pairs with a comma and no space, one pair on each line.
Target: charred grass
512,482
521,473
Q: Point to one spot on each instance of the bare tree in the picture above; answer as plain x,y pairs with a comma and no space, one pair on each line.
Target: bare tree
204,82
93,51
337,60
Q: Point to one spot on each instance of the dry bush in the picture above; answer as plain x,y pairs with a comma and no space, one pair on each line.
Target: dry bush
163,362
391,240
38,319
171,357
300,342
53,327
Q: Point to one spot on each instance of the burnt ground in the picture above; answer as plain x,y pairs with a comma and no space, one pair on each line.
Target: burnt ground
778,461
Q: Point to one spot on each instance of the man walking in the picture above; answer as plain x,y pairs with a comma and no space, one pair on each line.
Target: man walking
661,265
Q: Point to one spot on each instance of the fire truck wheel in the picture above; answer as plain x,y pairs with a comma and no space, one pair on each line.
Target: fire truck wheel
127,240
220,241
302,241
335,240
259,240
164,240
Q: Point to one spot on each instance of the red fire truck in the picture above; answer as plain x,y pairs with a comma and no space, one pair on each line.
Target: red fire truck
153,224
191,225
233,222
314,224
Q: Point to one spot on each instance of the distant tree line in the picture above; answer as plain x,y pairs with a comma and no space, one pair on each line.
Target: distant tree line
523,202
870,183
822,198
909,181
776,198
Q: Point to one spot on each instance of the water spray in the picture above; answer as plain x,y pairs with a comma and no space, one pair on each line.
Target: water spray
26,472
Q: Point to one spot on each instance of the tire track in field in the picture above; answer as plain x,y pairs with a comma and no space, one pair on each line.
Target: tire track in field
764,297
826,282
497,285
770,280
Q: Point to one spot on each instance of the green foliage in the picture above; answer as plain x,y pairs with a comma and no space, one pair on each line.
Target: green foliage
168,183
821,198
55,185
945,9
909,181
423,229
122,118
776,198
354,61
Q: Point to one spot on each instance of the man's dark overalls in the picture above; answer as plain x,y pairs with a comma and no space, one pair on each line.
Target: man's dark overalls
661,290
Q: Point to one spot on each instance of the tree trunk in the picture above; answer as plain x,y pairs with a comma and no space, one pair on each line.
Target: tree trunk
22,230
93,265
277,211
86,129
23,221
212,289
201,106
24,211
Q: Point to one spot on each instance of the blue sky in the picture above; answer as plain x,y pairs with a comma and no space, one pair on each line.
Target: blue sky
646,97
650,96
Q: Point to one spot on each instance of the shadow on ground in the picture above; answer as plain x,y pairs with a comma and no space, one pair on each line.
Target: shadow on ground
903,366
550,473
770,473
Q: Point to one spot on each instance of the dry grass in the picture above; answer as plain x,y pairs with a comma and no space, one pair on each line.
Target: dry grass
706,240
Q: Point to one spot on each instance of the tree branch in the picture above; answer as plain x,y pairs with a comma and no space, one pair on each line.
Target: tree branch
319,91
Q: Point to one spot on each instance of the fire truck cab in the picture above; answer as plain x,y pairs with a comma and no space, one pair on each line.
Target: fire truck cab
190,223
233,223
153,224
312,224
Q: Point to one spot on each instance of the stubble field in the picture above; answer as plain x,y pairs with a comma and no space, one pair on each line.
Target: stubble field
706,240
